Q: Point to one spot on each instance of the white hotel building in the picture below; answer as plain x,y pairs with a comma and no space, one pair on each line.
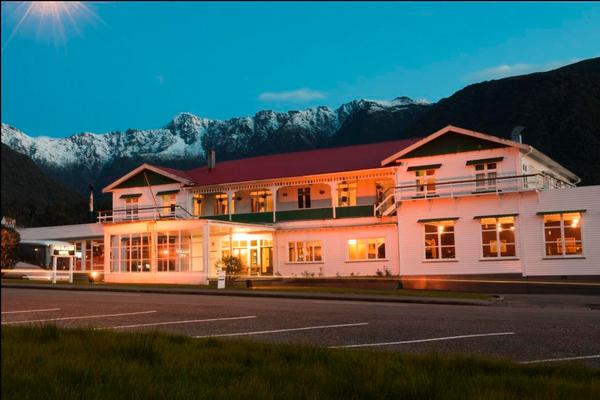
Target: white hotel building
456,202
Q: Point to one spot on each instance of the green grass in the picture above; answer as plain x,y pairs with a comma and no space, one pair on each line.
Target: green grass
49,363
240,285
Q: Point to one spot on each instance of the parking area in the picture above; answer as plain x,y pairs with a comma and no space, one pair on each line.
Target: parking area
524,333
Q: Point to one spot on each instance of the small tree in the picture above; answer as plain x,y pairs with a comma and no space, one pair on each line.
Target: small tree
232,267
10,242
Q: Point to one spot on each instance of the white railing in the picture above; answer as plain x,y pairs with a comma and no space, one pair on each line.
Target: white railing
144,214
468,186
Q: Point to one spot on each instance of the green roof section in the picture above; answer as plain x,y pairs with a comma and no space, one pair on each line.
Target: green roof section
131,196
139,180
422,167
560,212
423,221
495,216
452,142
167,192
485,160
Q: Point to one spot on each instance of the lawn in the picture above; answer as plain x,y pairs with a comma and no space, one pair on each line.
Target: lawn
49,363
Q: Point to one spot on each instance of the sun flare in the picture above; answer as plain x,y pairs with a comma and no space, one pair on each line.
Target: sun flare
51,17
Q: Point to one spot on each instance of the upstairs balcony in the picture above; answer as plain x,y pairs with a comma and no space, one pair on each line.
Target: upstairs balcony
466,186
144,213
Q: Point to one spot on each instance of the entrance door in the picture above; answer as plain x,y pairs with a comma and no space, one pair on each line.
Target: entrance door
254,261
266,261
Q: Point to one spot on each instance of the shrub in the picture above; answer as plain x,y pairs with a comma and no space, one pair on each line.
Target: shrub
9,245
232,267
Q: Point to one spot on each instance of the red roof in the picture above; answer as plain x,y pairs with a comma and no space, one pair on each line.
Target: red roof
300,163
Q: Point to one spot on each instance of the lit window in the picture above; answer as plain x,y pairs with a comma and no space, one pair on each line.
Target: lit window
261,201
498,237
221,204
346,194
131,208
169,202
366,249
197,202
562,234
425,179
439,240
306,251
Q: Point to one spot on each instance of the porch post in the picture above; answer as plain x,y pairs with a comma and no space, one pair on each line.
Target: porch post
230,194
71,269
54,268
205,246
273,190
334,199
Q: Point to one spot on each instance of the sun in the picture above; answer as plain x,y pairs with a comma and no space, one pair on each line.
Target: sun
52,17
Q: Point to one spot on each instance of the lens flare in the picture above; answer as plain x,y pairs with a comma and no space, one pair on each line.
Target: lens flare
52,17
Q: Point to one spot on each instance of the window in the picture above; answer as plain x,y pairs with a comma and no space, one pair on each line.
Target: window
304,197
485,176
261,201
439,240
366,249
562,234
346,194
169,202
221,205
197,202
425,181
131,207
130,253
306,251
498,237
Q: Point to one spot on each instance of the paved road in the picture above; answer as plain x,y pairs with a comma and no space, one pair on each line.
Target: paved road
525,329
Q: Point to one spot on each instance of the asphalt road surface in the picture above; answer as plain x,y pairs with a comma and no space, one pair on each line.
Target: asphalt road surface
524,329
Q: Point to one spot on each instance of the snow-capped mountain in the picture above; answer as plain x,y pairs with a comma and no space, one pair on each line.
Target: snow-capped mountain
80,159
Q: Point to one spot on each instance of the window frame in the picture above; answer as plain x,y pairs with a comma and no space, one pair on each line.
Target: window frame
425,185
304,193
562,233
349,190
306,245
438,247
367,241
499,252
487,182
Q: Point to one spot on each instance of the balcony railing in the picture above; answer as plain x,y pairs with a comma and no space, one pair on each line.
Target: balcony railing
144,214
502,183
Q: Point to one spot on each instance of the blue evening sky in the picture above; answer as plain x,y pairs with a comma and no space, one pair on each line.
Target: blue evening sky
136,65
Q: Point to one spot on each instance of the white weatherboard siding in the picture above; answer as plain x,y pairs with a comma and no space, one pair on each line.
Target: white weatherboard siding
334,241
530,257
534,260
467,234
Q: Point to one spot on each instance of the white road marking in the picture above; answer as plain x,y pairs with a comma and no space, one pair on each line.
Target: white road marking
179,322
79,317
561,359
421,340
30,311
305,328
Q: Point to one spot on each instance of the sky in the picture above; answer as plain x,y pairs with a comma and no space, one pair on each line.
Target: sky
113,66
